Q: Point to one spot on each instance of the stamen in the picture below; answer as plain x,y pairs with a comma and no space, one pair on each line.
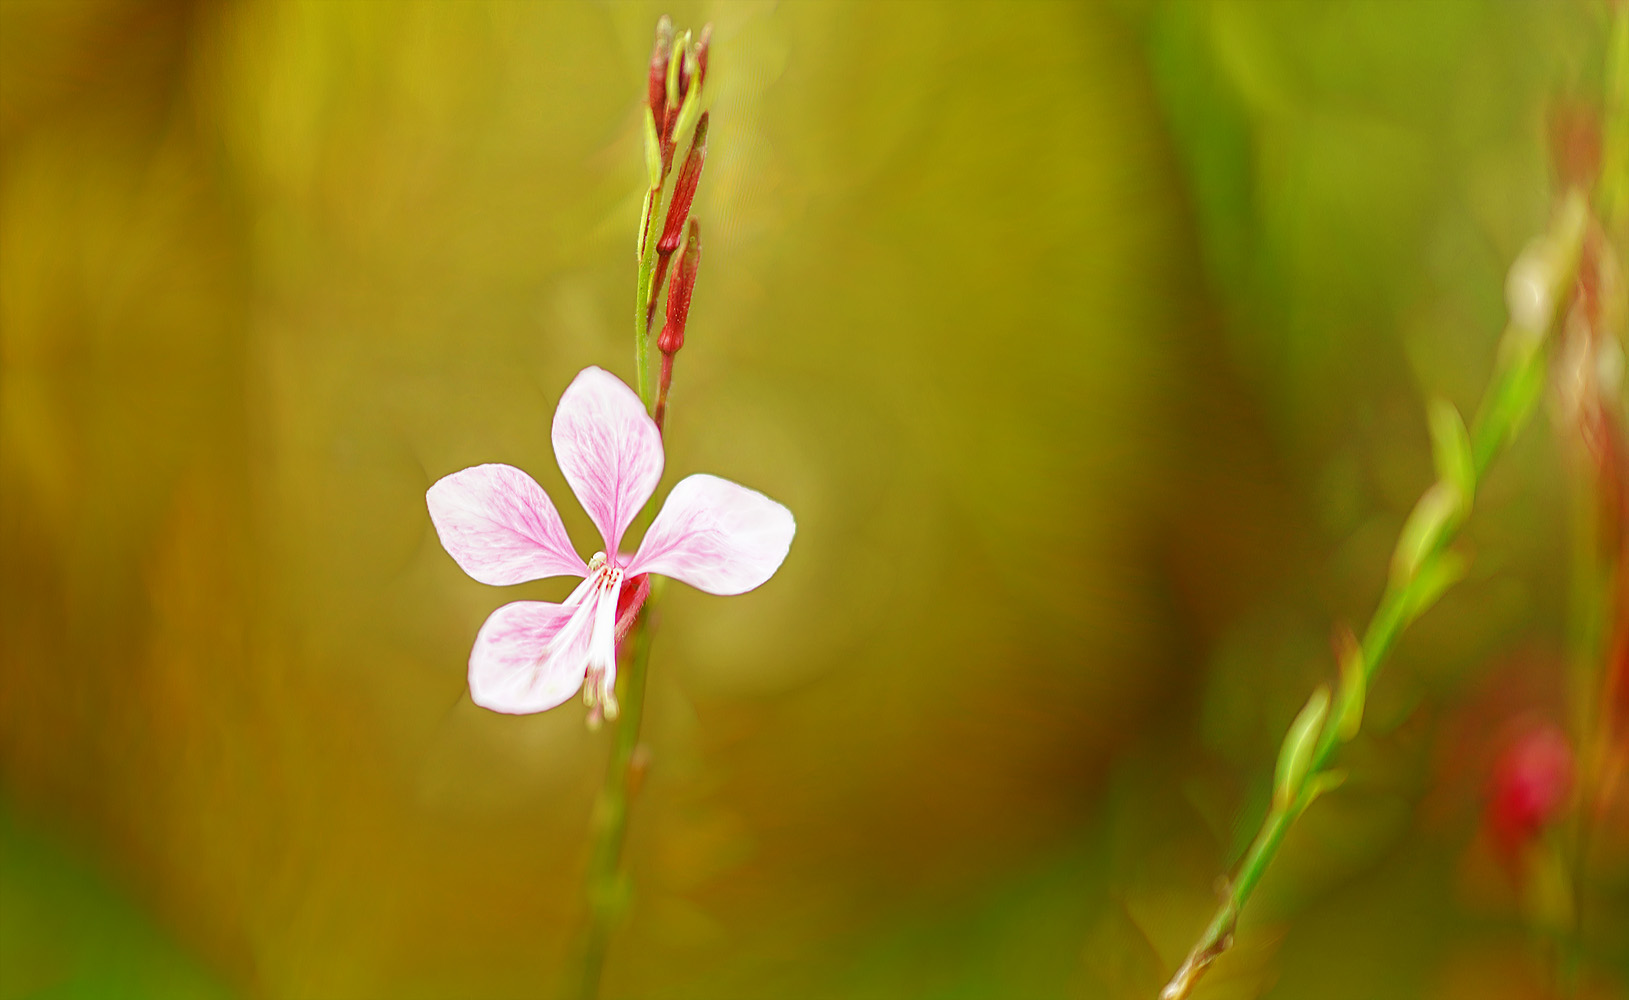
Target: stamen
599,683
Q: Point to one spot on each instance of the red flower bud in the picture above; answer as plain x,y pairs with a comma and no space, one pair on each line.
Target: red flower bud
630,599
1530,783
684,190
695,58
659,57
678,293
701,54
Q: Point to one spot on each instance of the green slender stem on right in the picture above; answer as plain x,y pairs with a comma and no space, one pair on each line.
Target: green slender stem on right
1598,568
1419,576
1592,597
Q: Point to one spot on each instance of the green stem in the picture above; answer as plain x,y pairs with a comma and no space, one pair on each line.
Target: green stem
1598,569
1505,407
645,291
607,883
642,296
1591,603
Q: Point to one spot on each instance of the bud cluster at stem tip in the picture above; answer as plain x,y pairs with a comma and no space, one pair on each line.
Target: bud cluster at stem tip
673,115
678,70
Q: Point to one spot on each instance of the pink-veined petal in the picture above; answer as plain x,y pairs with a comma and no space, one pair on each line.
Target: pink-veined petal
499,526
716,536
530,656
609,449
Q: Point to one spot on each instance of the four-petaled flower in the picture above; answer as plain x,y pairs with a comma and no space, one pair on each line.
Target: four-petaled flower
499,526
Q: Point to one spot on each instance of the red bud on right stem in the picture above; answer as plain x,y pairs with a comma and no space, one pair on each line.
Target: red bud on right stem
678,294
684,190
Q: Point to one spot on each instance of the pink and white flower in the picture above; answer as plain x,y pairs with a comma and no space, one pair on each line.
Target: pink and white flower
499,526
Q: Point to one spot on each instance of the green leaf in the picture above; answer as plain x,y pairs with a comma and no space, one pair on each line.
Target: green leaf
1295,757
1451,449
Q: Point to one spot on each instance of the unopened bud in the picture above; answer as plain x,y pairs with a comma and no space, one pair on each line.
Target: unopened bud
678,293
661,54
702,46
684,190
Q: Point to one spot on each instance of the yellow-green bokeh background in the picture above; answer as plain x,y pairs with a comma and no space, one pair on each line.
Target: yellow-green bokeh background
1088,343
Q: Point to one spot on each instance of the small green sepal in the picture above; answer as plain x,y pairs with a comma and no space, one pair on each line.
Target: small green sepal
673,63
689,113
653,152
644,225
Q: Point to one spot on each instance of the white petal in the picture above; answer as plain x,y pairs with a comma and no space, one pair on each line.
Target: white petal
531,655
609,449
716,536
500,527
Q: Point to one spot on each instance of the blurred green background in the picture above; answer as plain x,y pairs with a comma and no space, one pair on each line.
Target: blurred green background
1088,342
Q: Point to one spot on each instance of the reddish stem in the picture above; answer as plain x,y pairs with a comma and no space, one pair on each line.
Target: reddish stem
662,383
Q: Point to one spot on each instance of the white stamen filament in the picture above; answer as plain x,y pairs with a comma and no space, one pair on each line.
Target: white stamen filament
595,600
602,644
